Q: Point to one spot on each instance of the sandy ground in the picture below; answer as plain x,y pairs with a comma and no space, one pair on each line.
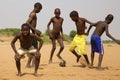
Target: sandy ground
72,71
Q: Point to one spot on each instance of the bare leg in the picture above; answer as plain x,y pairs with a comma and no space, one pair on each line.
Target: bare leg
28,62
18,65
92,58
37,62
86,58
61,49
53,50
78,56
33,61
100,61
35,45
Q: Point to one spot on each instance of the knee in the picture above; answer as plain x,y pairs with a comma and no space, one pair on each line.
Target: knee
53,48
38,55
62,47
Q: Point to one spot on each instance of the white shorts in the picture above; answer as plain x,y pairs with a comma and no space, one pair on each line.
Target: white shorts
29,52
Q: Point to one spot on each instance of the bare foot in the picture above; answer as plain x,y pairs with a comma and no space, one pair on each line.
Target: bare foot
99,68
19,74
35,74
28,66
50,61
90,66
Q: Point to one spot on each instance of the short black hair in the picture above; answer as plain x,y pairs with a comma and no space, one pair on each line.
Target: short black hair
25,24
57,9
109,17
74,14
38,4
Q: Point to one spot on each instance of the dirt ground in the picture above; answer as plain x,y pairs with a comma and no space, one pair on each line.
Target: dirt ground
72,71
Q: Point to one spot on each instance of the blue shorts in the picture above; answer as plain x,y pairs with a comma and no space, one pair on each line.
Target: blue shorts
96,44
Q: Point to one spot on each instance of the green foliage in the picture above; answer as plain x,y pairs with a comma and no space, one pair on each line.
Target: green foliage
45,38
9,31
72,33
107,41
67,38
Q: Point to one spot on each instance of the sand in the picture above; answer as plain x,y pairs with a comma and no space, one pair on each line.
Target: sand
72,71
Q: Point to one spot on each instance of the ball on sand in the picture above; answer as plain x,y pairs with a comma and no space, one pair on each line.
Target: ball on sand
62,64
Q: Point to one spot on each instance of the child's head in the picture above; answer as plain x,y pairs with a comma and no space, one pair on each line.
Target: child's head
109,18
74,15
57,12
25,29
37,7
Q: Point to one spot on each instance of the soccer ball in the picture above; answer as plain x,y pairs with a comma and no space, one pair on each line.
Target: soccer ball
62,64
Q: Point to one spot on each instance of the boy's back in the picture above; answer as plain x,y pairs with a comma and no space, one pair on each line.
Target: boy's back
100,28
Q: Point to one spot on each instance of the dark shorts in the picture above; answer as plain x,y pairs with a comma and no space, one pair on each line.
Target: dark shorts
96,44
56,36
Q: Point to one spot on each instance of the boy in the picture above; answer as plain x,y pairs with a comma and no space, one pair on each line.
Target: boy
32,21
55,34
80,38
26,47
96,43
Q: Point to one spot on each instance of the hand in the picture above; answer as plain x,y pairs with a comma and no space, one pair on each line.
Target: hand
118,41
62,38
51,36
17,57
86,34
37,54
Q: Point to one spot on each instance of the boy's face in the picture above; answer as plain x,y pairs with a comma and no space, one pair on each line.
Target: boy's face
38,9
57,13
25,30
73,18
109,21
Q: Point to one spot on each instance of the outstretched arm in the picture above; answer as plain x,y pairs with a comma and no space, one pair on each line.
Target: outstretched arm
110,36
93,24
87,21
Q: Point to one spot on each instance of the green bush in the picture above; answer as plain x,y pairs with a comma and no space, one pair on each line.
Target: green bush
9,31
72,34
67,38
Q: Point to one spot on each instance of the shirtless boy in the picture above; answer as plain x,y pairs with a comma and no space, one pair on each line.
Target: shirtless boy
25,38
96,42
32,21
80,38
56,34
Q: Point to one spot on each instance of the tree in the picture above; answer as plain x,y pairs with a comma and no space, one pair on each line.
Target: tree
72,33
